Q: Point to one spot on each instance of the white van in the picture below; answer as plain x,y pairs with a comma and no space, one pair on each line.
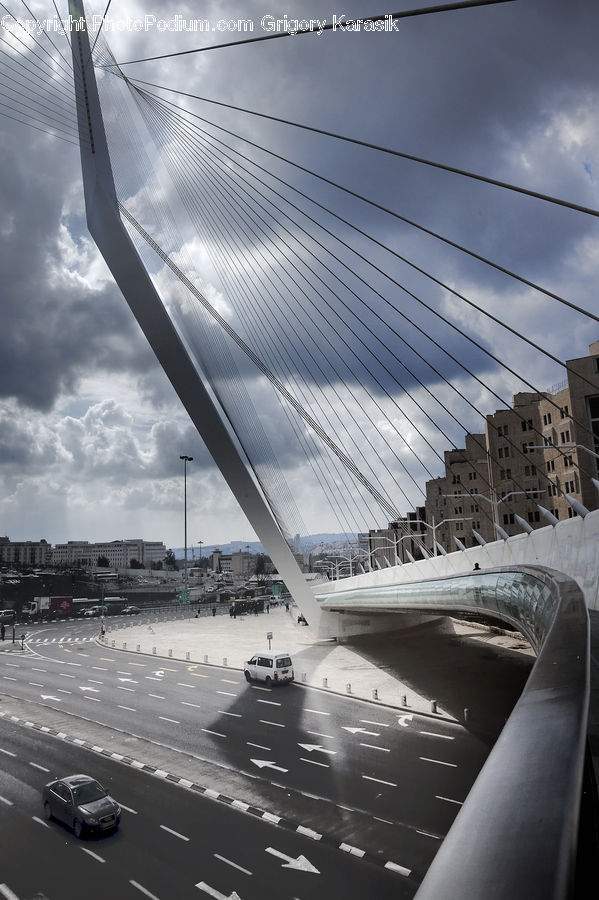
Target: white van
269,666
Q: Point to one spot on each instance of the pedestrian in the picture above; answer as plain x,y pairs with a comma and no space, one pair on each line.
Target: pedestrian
2,630
267,607
214,610
234,611
476,567
287,606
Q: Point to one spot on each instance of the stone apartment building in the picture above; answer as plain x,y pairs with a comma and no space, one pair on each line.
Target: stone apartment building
533,464
25,553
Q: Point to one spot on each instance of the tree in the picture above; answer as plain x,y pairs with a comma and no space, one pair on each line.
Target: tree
156,565
171,562
135,564
103,562
260,564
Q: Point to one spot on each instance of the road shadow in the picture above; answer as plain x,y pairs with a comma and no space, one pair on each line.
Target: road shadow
461,671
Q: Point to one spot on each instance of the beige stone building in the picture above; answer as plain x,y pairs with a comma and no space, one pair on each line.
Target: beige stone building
534,463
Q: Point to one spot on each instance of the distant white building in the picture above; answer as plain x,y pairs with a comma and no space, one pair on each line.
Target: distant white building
118,553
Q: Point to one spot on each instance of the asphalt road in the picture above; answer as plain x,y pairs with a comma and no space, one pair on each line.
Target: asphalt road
389,782
171,843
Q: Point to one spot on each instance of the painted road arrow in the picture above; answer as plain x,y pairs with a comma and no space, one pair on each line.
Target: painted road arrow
404,721
360,731
49,697
301,863
85,688
261,763
311,747
216,894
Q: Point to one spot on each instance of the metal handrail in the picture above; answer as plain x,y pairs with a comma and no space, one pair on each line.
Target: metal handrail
515,837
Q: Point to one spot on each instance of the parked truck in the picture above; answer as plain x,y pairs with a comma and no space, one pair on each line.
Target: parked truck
48,608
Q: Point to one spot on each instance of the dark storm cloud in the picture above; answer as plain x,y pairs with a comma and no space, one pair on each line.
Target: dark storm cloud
56,326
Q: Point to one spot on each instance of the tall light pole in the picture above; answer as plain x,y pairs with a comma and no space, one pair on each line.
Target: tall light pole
185,459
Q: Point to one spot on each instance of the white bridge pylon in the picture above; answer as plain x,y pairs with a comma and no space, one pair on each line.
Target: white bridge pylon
110,235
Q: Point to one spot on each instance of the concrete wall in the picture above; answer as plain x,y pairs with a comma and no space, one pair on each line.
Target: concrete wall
571,547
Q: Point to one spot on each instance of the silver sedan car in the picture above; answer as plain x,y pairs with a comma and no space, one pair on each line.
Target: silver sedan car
80,802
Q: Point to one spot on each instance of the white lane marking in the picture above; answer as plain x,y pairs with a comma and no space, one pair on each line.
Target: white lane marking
151,678
175,833
374,747
35,684
353,851
143,890
122,673
395,867
435,837
182,684
9,678
16,666
8,802
379,780
223,712
439,762
446,737
319,734
120,687
128,808
156,696
231,863
314,763
33,668
63,691
186,703
448,800
66,674
359,731
37,766
7,752
128,708
74,664
378,818
93,681
40,821
380,724
95,699
100,668
217,733
266,722
318,712
92,854
166,719
270,702
6,892
227,693
259,746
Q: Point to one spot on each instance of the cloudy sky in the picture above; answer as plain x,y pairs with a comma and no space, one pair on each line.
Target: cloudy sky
91,430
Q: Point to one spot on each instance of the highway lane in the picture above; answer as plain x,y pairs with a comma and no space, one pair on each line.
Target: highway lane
407,771
172,842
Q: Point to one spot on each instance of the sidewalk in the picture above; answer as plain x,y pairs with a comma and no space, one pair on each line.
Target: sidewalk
388,668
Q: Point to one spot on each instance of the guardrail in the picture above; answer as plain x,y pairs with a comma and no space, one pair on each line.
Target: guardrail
516,836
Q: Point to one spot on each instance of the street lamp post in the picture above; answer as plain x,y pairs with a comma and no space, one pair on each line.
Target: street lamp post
185,459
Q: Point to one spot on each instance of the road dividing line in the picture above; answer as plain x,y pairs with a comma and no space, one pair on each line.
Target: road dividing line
7,802
128,708
395,867
374,747
259,746
165,719
380,724
6,892
37,766
184,702
446,737
216,733
227,693
182,684
318,712
7,752
156,696
314,763
231,863
92,854
270,702
439,762
175,833
379,781
223,712
141,888
266,722
448,800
